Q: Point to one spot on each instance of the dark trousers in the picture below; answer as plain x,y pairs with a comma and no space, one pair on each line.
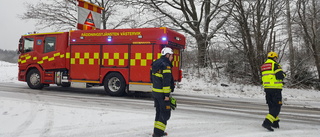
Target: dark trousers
274,101
163,113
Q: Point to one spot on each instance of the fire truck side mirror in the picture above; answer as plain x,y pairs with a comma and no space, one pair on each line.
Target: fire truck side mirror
20,46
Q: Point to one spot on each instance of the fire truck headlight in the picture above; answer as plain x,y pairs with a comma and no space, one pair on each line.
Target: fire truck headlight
164,38
73,40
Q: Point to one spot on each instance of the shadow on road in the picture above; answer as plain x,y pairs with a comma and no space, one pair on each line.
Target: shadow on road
98,91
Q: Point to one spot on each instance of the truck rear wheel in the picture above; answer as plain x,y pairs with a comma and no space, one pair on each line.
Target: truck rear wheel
114,84
34,79
65,84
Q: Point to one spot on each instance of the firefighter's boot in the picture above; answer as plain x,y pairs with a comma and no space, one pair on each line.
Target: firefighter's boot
267,124
276,124
155,135
164,134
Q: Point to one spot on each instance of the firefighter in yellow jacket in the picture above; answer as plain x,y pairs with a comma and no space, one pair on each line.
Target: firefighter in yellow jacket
163,85
272,77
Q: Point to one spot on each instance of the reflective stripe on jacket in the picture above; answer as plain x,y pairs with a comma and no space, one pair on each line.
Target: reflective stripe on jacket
269,71
161,76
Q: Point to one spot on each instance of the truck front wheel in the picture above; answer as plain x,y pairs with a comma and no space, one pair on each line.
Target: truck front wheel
114,84
34,79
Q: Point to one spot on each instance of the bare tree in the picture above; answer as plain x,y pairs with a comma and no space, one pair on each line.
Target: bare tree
58,14
309,21
62,14
252,31
199,18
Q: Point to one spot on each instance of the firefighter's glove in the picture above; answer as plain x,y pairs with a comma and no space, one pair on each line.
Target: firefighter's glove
173,103
172,88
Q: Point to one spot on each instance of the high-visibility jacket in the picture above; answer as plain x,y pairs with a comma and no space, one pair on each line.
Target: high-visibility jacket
272,75
161,76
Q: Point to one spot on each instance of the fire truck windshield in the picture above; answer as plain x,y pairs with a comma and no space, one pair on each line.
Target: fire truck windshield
28,45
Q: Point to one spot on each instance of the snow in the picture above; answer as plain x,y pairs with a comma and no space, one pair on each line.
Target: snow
301,97
39,115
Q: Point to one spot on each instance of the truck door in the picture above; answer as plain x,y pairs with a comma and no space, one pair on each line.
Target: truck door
141,57
85,62
47,47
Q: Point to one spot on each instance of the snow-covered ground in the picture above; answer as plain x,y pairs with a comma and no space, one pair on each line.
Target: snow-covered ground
38,117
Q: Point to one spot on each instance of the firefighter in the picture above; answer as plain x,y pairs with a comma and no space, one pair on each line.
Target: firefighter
163,85
272,77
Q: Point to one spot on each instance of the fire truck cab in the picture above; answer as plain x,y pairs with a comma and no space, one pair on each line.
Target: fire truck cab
118,59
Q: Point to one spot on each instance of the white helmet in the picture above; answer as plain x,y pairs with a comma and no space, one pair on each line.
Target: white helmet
166,50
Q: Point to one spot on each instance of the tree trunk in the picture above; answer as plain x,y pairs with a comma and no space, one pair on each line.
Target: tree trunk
251,54
317,62
291,50
104,20
202,52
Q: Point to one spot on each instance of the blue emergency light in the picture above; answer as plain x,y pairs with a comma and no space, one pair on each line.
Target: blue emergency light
109,39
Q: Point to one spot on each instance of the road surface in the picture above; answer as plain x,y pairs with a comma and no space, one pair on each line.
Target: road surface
56,111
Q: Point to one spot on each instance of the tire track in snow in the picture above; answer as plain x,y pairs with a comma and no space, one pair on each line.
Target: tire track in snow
46,131
290,113
29,119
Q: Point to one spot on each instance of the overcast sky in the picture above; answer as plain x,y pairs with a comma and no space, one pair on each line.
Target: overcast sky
11,26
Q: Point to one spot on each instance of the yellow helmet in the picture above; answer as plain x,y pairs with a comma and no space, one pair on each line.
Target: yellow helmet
272,54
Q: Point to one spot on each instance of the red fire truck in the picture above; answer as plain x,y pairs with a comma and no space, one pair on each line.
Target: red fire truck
118,59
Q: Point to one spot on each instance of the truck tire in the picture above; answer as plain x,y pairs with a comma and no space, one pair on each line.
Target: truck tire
65,84
34,79
114,84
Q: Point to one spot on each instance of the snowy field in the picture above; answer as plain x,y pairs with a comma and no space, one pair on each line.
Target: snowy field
29,117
